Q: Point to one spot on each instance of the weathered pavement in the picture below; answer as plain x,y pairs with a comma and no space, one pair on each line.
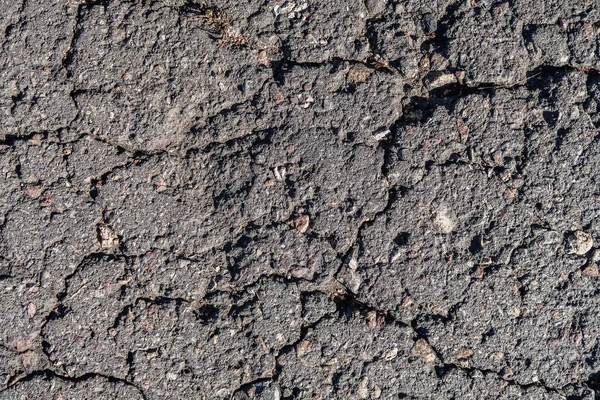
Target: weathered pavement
299,199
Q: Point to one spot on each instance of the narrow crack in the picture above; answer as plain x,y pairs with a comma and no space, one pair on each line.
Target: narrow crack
50,374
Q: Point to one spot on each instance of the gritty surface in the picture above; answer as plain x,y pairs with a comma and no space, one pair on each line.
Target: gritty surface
308,199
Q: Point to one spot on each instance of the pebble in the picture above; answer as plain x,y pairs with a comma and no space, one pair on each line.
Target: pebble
30,360
423,350
302,223
171,376
376,392
109,241
463,131
579,243
303,348
31,309
441,80
590,270
358,73
464,352
381,134
363,390
444,221
390,355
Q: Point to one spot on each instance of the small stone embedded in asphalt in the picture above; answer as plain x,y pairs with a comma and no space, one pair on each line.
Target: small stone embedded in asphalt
591,269
423,350
444,220
299,199
579,243
438,80
301,223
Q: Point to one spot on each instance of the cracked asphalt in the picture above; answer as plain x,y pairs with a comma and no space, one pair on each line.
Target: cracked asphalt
307,199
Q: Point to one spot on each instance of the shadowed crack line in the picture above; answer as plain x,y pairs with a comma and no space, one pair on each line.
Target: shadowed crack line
50,374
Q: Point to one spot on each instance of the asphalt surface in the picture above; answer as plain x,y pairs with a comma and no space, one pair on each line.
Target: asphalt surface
309,199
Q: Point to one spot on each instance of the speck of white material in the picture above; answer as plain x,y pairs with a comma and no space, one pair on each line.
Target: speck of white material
580,243
381,134
444,220
363,390
279,173
171,376
353,264
443,80
390,355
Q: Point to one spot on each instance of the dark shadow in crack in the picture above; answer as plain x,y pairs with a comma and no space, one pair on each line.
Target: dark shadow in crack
593,382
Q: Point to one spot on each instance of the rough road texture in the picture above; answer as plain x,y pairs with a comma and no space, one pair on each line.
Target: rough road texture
309,199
